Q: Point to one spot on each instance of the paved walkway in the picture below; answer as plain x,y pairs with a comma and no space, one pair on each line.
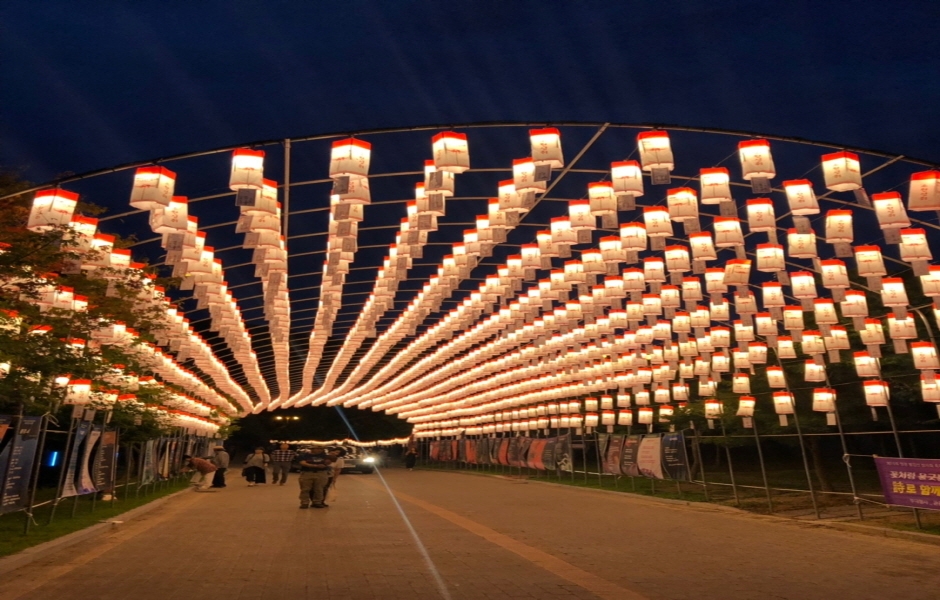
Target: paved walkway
462,536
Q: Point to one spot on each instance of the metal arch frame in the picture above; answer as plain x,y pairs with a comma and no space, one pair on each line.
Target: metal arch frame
262,349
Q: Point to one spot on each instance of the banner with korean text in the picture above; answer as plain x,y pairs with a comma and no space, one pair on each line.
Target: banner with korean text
913,482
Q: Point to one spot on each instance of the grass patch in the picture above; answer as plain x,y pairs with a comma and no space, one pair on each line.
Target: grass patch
87,513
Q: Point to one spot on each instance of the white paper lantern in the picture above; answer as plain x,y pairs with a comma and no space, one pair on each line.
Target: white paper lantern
451,152
841,171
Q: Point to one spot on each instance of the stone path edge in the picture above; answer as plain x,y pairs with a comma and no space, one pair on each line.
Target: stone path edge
34,553
914,536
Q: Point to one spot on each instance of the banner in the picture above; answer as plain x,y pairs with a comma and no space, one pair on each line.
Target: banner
483,451
434,451
515,451
649,458
612,458
535,453
563,460
146,461
6,442
104,464
19,465
503,455
913,482
675,460
628,456
81,432
86,484
524,444
494,451
548,454
602,440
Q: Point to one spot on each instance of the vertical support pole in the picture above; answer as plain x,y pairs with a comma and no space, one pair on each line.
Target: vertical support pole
897,441
763,468
65,464
597,454
34,477
697,447
286,216
734,486
584,456
809,478
846,459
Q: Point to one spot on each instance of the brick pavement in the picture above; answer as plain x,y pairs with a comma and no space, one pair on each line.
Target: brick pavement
486,537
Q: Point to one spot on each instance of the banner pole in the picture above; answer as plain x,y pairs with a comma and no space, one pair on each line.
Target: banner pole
597,453
809,480
734,486
897,441
846,459
34,478
697,448
66,455
763,469
114,457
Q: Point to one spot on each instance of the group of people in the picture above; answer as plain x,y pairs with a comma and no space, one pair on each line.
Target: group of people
319,470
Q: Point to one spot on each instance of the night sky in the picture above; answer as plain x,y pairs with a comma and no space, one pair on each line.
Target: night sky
90,85
87,85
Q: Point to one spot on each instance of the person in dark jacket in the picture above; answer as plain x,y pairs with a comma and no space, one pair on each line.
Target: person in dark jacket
411,457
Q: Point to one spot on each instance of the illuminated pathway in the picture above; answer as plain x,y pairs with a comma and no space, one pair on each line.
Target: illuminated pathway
486,537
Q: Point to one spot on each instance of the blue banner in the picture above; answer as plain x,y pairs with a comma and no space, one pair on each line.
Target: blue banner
19,467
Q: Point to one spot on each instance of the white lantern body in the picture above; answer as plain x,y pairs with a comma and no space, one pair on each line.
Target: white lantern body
839,227
655,150
869,261
890,210
350,157
51,209
546,147
756,160
715,185
824,400
914,245
153,186
682,203
841,171
451,152
627,177
247,169
760,215
746,406
783,403
801,198
924,191
876,393
657,221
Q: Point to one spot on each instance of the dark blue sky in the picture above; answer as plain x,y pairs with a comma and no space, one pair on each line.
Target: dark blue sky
87,85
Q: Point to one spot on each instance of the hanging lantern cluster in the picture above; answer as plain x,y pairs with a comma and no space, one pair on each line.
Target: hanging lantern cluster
349,170
504,212
260,220
651,332
201,272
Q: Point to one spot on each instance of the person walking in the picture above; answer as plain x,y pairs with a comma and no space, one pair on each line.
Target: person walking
314,477
220,459
411,457
280,463
255,465
203,471
336,469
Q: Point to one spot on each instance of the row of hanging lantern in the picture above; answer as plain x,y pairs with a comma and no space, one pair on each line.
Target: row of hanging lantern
349,170
84,391
546,154
98,258
260,221
841,173
515,198
194,262
421,218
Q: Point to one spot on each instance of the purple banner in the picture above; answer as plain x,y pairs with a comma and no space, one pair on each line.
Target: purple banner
913,482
